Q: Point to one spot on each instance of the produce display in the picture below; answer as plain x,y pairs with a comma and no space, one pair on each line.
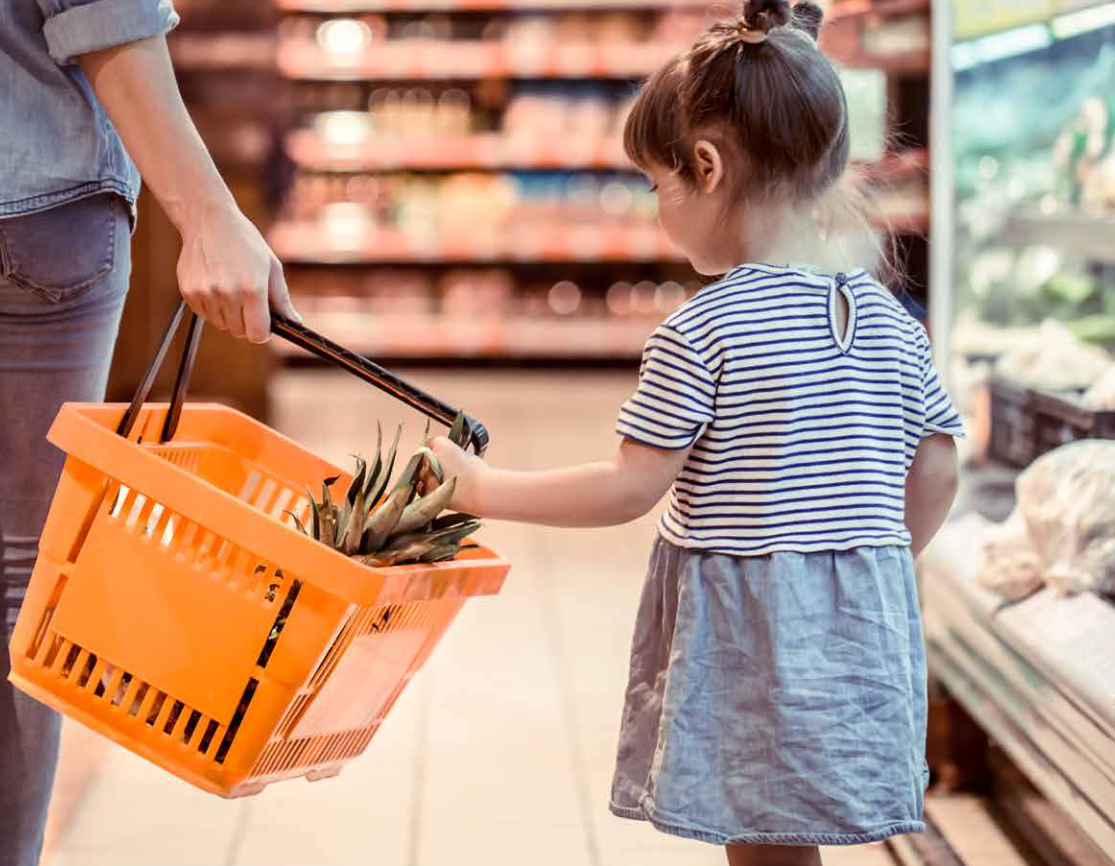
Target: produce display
1062,533
1034,142
1054,359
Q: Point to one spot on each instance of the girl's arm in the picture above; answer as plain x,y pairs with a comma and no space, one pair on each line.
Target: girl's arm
226,271
931,487
595,494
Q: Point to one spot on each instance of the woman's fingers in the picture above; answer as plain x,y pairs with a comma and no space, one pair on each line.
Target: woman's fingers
256,316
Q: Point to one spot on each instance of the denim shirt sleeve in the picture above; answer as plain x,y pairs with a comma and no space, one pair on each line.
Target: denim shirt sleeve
75,27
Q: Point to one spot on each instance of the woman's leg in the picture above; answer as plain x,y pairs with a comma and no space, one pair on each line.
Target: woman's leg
56,337
773,855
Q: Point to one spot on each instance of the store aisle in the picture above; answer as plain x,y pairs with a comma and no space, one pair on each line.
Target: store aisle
500,753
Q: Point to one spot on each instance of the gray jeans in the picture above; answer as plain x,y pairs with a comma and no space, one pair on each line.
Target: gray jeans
63,279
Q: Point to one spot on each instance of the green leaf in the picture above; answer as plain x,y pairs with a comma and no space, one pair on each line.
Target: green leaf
297,522
457,431
373,474
354,531
422,511
381,522
328,513
314,511
357,480
389,467
444,536
448,521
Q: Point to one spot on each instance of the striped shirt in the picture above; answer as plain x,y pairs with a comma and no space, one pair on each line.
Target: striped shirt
801,435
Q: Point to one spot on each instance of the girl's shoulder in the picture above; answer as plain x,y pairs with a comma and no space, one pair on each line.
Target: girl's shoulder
756,291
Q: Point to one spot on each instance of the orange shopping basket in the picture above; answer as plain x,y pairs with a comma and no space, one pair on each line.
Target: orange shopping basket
173,611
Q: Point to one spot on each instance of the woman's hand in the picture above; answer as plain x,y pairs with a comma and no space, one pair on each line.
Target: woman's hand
468,469
229,276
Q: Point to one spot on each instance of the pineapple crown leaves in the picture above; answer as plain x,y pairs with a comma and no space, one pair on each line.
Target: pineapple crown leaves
405,525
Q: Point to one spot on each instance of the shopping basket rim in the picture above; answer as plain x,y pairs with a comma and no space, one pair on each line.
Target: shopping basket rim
78,432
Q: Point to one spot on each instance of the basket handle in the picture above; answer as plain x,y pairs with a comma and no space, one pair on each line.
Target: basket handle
476,434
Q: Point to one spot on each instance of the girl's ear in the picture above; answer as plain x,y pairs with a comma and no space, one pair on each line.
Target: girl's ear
708,165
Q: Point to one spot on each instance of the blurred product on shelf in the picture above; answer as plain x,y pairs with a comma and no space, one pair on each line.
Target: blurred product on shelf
460,187
1062,533
477,215
1084,157
1054,359
1101,396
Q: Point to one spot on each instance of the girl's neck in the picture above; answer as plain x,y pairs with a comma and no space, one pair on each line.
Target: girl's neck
788,236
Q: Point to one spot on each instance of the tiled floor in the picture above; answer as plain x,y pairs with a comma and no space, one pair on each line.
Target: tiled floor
500,753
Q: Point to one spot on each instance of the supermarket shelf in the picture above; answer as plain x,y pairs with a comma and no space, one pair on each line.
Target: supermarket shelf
309,243
419,60
222,51
435,337
1090,236
309,149
847,9
380,6
312,150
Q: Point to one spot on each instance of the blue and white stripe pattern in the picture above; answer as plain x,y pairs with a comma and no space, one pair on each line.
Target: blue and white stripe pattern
802,436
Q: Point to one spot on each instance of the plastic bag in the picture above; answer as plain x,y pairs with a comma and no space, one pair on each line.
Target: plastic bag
1007,563
1067,498
1101,396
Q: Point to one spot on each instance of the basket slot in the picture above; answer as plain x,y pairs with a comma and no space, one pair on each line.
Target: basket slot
250,485
123,495
267,583
279,624
36,647
241,711
108,683
174,717
285,497
144,695
53,648
86,662
159,711
128,699
266,495
192,727
212,730
138,506
152,705
65,661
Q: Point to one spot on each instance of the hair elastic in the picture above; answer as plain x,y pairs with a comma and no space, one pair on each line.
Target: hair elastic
752,37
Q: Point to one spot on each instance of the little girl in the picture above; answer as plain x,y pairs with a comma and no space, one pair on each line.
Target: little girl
777,694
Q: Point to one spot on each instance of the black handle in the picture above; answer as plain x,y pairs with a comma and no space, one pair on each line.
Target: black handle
476,434
185,368
385,380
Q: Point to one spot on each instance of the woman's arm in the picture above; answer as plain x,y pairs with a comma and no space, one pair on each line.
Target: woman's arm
607,493
226,271
931,487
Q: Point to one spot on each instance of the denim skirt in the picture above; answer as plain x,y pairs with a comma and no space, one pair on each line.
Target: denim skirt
776,700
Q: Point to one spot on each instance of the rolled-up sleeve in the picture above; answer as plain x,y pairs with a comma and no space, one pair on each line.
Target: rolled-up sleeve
76,27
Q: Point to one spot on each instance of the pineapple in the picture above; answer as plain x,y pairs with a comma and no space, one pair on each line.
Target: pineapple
381,528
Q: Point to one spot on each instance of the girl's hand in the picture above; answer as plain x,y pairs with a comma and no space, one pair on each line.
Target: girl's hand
468,469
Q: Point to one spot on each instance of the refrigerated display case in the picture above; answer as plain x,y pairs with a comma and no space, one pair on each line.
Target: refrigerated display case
1022,309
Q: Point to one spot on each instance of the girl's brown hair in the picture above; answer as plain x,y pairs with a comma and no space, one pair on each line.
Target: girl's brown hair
761,90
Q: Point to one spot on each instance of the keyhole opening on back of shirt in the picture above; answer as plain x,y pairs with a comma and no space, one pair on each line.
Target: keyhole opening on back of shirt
842,313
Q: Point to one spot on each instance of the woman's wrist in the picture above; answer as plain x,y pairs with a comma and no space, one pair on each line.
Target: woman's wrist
200,212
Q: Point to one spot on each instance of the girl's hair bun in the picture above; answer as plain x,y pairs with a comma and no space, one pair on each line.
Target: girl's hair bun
766,15
809,17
